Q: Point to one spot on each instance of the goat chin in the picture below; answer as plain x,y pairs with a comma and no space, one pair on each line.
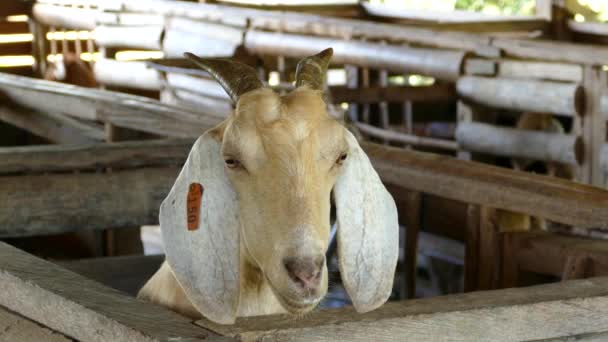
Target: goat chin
163,289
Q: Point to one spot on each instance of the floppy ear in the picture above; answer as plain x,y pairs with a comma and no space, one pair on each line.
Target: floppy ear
204,258
368,231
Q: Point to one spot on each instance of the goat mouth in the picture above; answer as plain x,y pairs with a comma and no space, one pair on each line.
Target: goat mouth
292,306
295,307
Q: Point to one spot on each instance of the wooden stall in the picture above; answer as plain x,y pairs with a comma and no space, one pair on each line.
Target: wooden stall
69,306
481,70
496,75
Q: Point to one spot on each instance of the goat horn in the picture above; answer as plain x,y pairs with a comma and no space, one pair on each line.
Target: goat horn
236,78
311,70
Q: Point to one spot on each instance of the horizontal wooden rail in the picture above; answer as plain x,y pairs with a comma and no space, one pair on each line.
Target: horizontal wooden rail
511,142
545,253
311,24
118,155
83,309
443,64
521,314
476,183
36,204
524,95
120,109
51,204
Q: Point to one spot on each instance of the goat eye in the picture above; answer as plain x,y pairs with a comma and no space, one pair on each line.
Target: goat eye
342,158
232,163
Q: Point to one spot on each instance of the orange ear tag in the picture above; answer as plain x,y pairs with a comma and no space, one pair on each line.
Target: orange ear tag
193,205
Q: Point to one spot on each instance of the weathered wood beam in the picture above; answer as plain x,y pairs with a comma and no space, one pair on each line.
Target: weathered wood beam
553,51
519,314
523,95
547,197
604,157
540,70
57,128
66,17
512,142
404,138
463,181
141,37
443,64
17,328
119,155
548,254
588,27
84,309
130,74
478,66
119,109
50,204
310,24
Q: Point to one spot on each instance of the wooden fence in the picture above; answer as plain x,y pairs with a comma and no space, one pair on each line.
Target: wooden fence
490,73
51,189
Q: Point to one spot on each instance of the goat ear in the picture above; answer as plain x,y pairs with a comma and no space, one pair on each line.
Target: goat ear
204,258
368,231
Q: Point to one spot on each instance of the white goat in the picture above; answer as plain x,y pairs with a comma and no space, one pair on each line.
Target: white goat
266,174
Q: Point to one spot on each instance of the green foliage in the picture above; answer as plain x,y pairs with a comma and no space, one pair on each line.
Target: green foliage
497,6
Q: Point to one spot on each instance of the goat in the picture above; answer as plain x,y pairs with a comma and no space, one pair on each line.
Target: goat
266,174
69,68
510,221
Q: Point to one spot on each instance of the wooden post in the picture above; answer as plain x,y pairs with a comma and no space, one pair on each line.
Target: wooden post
593,126
509,264
489,250
413,223
577,267
471,248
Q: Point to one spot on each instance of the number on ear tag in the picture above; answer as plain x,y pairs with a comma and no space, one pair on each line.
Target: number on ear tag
193,206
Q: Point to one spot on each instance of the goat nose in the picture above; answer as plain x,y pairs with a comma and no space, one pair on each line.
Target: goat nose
305,271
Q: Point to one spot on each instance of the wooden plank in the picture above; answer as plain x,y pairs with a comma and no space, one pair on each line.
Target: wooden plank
56,128
523,95
553,51
130,74
84,309
442,17
310,24
433,93
478,66
540,70
594,126
520,314
549,253
547,197
413,225
123,110
441,63
17,328
489,258
409,139
50,204
471,258
120,155
588,27
554,199
576,267
512,142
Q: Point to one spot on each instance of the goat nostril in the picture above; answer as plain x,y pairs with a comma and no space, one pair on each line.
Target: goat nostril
305,272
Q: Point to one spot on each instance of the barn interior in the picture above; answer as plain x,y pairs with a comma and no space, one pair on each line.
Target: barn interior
487,121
